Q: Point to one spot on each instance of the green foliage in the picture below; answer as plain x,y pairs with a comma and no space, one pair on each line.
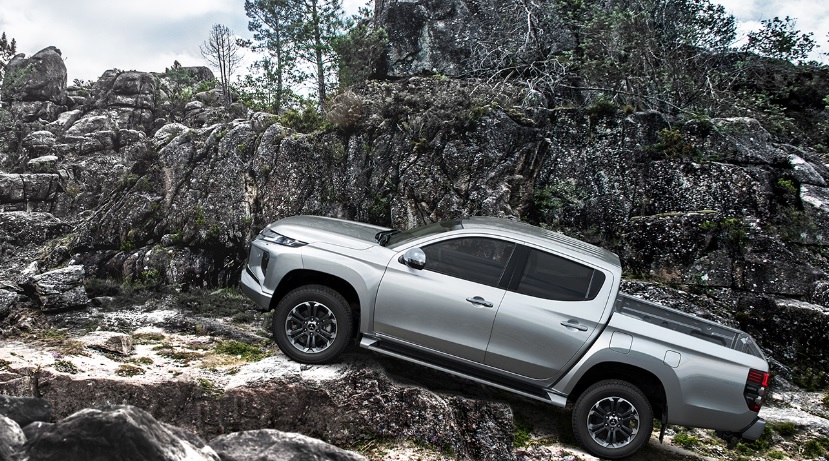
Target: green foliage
734,229
602,108
208,388
127,370
7,51
825,401
521,436
785,428
651,54
127,244
673,144
787,186
7,48
198,217
360,51
206,85
778,38
685,441
241,350
556,196
776,454
307,120
810,379
65,366
298,37
815,448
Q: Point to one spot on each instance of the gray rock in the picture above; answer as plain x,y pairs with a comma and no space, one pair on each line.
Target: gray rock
23,228
815,202
91,124
273,445
11,438
25,410
66,119
117,433
109,341
44,164
61,288
39,143
166,134
33,430
260,121
805,172
7,302
41,77
193,105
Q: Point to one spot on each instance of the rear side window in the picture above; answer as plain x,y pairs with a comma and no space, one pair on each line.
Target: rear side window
480,260
552,277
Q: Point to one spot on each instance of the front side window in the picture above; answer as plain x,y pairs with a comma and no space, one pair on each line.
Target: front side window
552,277
477,259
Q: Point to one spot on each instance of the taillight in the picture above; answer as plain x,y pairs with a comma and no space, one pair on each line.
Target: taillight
757,388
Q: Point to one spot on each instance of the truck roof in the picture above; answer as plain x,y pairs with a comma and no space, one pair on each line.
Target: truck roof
541,237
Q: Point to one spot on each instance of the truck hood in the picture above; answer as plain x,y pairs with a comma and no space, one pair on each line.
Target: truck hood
316,229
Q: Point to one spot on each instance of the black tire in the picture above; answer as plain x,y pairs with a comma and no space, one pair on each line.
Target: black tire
312,324
612,419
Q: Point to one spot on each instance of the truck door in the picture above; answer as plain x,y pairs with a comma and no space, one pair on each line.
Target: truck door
450,305
550,311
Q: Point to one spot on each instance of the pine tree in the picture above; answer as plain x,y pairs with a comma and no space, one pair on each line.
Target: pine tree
300,33
274,24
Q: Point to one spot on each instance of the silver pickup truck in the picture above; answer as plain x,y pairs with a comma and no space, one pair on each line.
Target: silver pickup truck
513,306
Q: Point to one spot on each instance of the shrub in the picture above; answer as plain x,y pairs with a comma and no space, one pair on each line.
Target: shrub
241,350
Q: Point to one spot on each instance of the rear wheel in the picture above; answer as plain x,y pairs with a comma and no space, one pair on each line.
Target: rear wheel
312,324
612,419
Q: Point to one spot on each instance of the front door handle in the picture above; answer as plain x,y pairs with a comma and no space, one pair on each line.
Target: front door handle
477,300
574,324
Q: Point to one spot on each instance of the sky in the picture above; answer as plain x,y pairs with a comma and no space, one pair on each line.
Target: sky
149,35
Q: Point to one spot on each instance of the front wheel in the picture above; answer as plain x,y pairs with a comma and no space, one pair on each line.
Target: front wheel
312,324
612,419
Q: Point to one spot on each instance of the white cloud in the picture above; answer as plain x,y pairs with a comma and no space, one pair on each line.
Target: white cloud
96,35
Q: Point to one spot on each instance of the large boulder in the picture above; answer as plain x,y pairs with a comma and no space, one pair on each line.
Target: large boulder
61,288
25,410
21,228
41,77
273,445
116,433
341,404
11,438
468,37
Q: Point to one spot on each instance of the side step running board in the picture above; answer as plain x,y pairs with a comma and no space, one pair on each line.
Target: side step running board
434,362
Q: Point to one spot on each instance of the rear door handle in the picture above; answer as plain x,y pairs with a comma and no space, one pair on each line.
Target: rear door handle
477,300
574,324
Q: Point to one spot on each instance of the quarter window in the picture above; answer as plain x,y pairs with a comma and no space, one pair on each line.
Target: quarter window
552,277
477,259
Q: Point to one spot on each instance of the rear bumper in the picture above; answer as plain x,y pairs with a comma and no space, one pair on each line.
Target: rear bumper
754,430
251,287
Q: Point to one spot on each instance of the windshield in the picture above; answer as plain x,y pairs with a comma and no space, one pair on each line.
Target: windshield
422,231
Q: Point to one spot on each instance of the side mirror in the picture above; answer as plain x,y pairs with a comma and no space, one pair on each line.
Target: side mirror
414,258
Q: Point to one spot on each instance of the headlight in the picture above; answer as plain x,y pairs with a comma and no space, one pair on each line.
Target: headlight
269,235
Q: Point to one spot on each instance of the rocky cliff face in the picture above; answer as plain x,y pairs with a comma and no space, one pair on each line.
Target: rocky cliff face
716,207
143,179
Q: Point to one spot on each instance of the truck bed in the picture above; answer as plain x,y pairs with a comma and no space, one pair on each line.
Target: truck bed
686,323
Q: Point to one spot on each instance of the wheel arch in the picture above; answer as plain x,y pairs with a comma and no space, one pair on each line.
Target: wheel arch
302,277
647,382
